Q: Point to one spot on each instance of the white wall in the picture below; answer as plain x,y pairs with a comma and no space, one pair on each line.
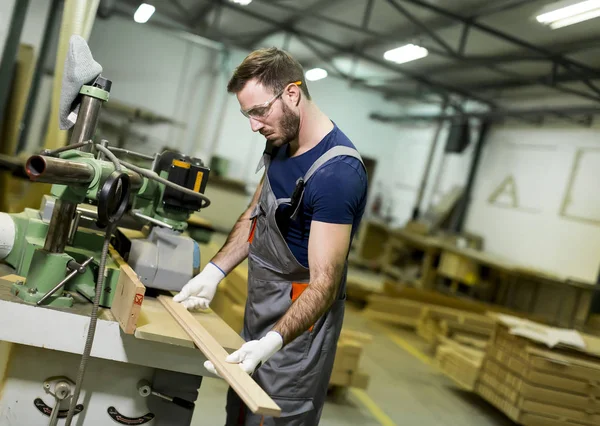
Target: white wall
155,69
536,230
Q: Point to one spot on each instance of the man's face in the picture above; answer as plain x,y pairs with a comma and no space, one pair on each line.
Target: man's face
269,113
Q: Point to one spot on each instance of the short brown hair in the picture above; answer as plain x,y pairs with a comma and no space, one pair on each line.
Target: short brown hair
272,67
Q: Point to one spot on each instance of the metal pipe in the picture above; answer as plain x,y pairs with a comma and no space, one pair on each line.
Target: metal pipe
434,143
9,57
489,115
460,213
142,216
45,169
60,226
49,30
87,119
131,153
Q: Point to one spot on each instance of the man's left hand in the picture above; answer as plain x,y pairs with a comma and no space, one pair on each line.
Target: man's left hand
252,353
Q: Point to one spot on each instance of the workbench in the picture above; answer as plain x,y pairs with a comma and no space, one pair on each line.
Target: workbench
41,342
402,241
560,301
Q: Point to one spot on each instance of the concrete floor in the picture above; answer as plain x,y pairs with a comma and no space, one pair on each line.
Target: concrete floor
404,389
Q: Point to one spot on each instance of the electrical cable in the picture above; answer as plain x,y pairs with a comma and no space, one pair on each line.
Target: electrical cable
110,156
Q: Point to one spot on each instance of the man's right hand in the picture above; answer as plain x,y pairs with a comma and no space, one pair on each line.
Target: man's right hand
200,290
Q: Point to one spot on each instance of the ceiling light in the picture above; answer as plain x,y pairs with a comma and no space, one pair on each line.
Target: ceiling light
316,74
242,2
143,13
565,13
410,52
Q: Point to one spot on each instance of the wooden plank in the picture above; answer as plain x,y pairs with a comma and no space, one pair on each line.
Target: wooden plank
155,323
248,390
129,295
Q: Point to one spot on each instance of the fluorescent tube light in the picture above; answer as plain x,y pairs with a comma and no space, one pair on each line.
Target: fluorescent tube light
242,2
316,74
564,14
143,13
575,19
410,52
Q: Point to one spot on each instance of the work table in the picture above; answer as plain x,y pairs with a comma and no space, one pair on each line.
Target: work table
158,341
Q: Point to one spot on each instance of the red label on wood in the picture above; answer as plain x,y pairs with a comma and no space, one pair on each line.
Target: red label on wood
139,298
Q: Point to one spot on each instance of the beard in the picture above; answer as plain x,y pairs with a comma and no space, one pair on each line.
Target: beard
289,127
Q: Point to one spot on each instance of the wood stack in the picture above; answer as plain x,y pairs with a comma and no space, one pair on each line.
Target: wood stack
534,385
346,371
402,312
436,322
404,305
460,362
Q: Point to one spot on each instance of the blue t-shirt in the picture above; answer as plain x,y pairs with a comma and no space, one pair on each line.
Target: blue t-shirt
336,193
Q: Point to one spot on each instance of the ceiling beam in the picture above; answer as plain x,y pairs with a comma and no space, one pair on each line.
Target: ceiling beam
298,15
566,62
437,86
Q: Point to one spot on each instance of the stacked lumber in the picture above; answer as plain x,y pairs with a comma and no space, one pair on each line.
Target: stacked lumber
360,284
436,322
404,305
393,311
346,371
460,362
537,386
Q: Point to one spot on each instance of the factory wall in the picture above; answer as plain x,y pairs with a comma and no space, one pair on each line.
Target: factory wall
535,199
186,81
513,198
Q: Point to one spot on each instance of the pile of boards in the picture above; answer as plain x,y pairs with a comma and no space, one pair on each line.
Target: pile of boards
461,362
536,385
346,367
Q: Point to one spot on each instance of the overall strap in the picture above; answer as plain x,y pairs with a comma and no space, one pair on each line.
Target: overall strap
336,151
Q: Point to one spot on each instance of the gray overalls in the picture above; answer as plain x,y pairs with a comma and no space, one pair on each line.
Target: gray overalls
298,375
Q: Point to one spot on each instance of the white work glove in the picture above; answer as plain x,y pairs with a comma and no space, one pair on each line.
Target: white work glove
252,353
200,290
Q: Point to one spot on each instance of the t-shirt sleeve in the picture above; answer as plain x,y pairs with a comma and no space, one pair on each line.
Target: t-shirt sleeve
337,193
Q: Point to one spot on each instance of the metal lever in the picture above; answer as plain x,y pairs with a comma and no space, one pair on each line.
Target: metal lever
61,391
78,270
145,390
142,216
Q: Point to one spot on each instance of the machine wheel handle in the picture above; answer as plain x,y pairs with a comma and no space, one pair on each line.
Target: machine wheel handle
113,198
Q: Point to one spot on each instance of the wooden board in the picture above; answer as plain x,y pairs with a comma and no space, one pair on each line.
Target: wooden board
155,323
248,390
129,295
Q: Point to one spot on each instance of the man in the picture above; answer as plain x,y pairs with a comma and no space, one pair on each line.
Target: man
296,234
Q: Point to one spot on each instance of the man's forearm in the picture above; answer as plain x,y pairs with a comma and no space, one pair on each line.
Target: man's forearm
310,305
236,247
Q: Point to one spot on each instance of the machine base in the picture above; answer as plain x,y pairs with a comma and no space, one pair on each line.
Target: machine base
46,271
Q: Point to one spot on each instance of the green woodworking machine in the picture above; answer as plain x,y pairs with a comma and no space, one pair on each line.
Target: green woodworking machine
92,186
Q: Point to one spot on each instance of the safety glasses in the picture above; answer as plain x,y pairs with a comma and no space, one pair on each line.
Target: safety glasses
262,110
